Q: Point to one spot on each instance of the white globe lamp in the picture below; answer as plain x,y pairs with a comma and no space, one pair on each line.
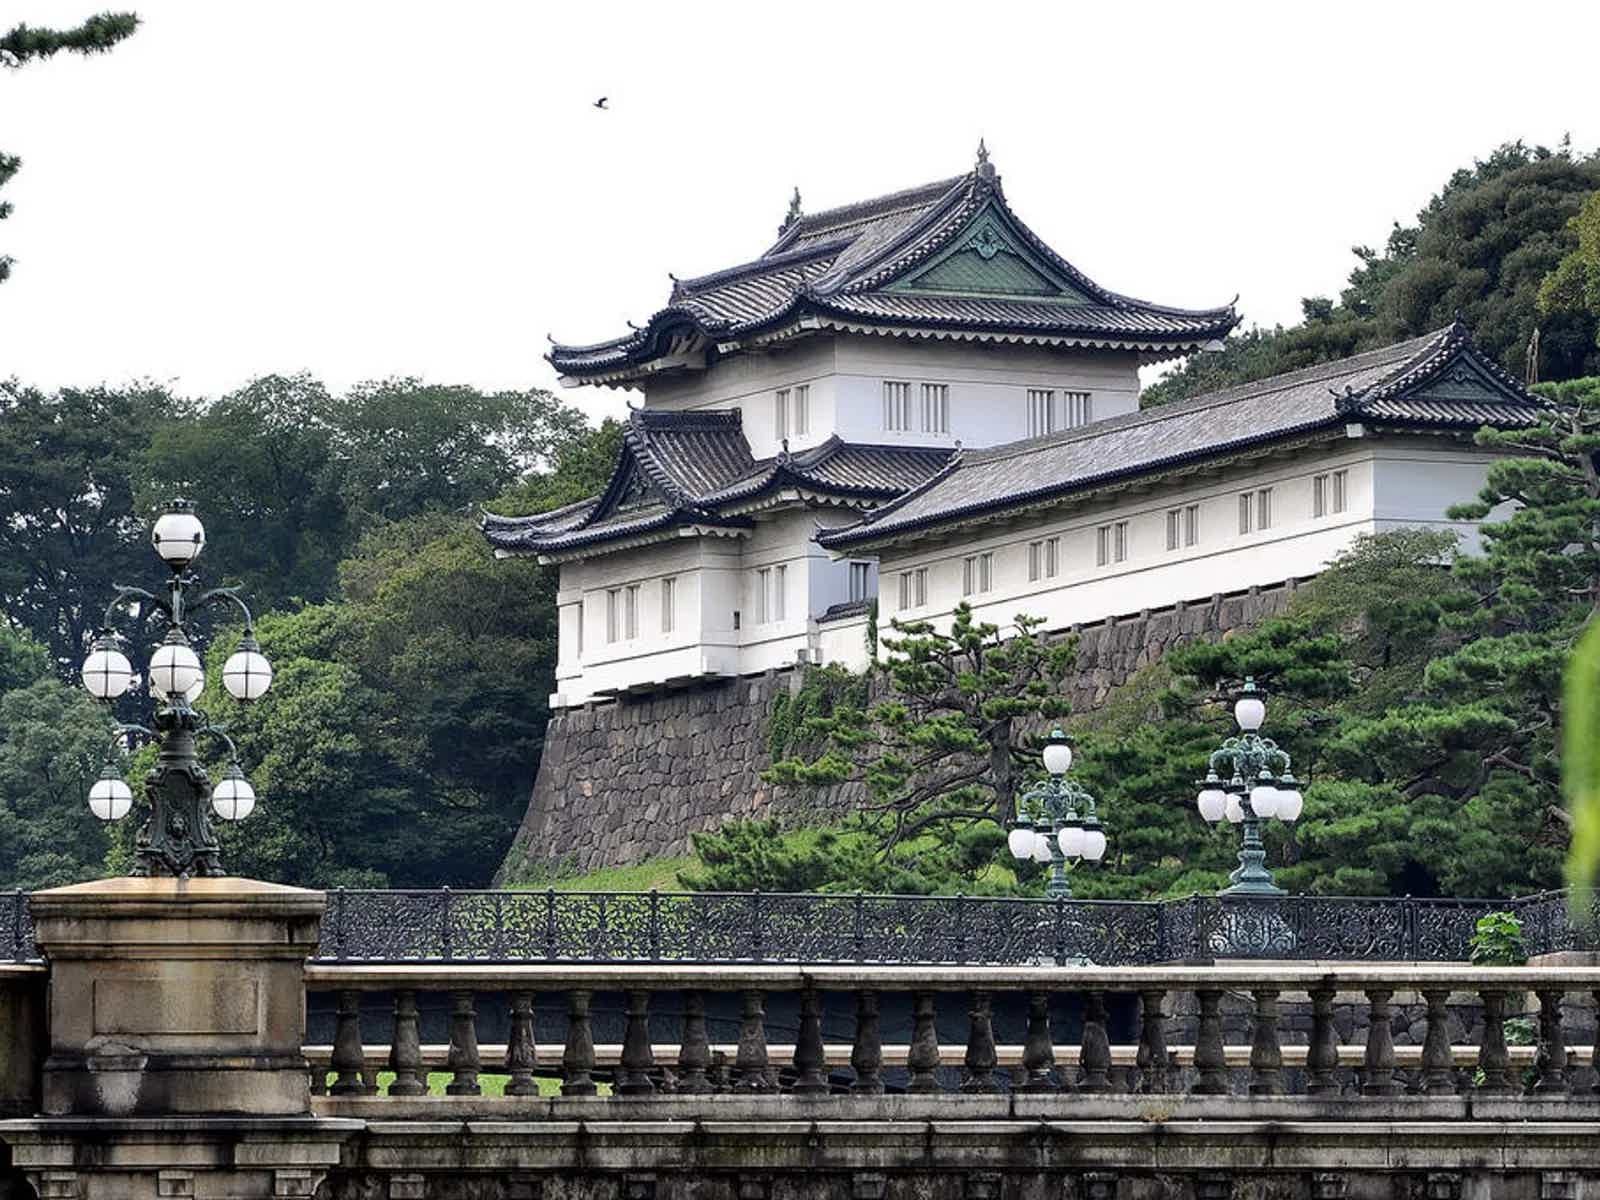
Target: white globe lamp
1071,840
177,535
110,798
1094,842
1057,754
1233,810
233,799
106,672
1020,843
175,668
1264,800
247,674
1041,848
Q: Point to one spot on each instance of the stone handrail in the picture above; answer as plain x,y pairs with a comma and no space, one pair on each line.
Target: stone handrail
1025,1000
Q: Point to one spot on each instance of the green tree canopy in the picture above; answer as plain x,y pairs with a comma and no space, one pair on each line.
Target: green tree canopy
22,44
1483,249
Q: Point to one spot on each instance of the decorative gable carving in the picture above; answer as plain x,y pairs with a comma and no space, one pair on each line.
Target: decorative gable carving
636,489
1461,380
988,258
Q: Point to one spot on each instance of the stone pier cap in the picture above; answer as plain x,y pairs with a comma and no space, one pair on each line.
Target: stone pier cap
176,996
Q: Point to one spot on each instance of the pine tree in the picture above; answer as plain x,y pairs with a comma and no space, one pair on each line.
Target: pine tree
24,44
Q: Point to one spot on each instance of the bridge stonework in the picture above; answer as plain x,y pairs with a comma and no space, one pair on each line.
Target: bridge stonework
177,1068
631,779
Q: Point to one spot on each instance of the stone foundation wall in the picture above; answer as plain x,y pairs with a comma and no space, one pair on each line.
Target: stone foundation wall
627,780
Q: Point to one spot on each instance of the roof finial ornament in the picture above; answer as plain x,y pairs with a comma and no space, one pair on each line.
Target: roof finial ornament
783,455
984,168
1532,376
793,214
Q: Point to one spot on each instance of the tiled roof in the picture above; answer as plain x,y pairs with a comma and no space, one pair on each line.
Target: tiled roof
695,468
843,263
1439,380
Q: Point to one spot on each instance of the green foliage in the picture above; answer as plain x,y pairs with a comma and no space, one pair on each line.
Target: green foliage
69,525
23,44
1507,245
53,742
1497,941
1572,290
1581,767
949,743
822,691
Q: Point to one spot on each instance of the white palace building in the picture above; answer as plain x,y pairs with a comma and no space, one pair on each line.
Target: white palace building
915,400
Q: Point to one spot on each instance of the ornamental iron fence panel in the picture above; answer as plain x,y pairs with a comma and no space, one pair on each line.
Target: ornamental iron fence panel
443,926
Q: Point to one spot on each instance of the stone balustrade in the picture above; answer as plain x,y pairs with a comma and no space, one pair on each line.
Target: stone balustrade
1028,1032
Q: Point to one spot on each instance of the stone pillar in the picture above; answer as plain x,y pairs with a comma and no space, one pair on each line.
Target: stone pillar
176,997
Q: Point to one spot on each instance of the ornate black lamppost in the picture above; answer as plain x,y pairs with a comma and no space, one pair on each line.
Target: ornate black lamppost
1243,787
1056,821
178,838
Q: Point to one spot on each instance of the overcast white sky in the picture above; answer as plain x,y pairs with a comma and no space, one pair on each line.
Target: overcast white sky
362,188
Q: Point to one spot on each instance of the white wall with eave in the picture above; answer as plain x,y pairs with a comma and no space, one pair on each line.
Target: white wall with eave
1388,484
721,625
987,388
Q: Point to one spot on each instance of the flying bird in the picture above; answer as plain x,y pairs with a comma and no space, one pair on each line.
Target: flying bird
601,103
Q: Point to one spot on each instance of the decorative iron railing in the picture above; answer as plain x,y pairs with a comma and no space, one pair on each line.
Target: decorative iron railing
444,926
754,927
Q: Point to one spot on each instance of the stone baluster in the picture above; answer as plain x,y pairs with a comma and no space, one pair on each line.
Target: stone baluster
1594,1055
520,1047
923,1055
1378,1063
810,1060
463,1057
981,1058
405,1047
1038,1052
1151,1058
638,1060
1552,1045
349,1056
750,1063
1322,1055
1493,1062
577,1056
694,1053
1266,1056
1094,1053
866,1053
1438,1061
319,1080
1209,1059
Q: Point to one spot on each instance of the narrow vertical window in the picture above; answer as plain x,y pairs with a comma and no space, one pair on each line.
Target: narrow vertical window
935,408
1174,528
1076,408
1341,491
580,626
763,595
985,572
780,413
780,581
1041,411
1052,557
860,581
1191,525
921,580
632,598
896,406
969,568
1035,561
905,590
801,410
1319,496
669,591
1120,541
613,613
1245,512
1102,546
1264,509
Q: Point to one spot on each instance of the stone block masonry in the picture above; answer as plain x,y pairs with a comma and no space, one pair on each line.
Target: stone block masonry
631,779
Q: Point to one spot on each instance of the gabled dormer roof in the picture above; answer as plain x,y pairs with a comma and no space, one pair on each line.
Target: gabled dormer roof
945,260
694,470
1440,382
